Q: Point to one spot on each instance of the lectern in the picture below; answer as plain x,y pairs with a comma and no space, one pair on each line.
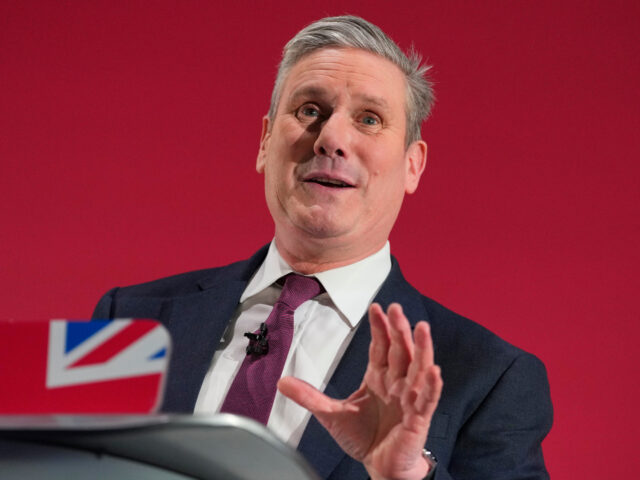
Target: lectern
72,403
154,447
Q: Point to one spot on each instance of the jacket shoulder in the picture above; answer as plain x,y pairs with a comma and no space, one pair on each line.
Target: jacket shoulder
495,401
143,299
194,281
474,359
461,334
180,284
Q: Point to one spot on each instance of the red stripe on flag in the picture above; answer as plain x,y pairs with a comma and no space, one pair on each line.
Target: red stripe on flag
115,344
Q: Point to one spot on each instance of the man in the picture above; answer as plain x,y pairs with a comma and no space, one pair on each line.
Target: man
339,149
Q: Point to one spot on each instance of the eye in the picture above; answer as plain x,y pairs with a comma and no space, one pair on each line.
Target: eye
370,119
308,112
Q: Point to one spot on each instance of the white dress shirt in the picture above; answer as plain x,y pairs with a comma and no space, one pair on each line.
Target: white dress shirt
323,328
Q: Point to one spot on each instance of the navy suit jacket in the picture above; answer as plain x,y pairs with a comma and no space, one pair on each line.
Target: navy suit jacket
495,407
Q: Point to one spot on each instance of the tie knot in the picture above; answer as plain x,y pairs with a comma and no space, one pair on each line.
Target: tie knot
298,289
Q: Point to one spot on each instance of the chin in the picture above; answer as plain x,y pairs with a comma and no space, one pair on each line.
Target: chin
321,227
322,230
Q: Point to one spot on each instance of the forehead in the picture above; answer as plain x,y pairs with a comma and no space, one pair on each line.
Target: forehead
347,71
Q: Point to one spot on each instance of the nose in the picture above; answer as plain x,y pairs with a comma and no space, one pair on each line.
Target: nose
334,137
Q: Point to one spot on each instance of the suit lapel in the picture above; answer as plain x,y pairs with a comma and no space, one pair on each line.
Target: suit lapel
351,369
196,323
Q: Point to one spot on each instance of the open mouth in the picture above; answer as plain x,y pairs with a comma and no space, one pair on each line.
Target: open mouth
329,182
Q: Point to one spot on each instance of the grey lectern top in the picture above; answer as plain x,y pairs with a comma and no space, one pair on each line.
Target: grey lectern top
158,447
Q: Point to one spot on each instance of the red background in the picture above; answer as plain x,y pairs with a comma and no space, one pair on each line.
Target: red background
128,135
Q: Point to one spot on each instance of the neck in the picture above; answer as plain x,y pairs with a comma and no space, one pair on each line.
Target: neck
314,256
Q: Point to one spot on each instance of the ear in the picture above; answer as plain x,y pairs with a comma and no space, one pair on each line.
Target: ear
264,142
416,160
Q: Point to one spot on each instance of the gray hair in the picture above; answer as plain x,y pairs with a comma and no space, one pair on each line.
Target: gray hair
351,31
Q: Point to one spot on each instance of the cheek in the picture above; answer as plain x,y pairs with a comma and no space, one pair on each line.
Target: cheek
279,179
290,131
383,164
387,177
291,148
298,140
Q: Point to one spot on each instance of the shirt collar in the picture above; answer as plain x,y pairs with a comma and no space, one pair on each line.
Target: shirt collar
351,288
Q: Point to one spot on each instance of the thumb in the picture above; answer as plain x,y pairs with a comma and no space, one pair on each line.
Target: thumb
305,395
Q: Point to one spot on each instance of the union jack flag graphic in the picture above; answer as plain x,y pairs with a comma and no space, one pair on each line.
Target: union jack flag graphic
62,366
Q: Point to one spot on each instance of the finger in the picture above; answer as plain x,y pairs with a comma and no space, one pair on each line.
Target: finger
422,352
380,339
413,417
429,397
306,395
378,351
423,382
401,348
420,400
423,376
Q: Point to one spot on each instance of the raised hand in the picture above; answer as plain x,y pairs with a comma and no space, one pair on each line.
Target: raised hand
385,423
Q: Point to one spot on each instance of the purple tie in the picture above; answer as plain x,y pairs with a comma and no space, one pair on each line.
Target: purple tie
253,390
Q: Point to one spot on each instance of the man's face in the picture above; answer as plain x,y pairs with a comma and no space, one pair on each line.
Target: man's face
334,157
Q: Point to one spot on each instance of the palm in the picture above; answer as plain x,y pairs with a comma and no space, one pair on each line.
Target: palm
385,423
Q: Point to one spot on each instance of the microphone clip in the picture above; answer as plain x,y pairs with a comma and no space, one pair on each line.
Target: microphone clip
258,343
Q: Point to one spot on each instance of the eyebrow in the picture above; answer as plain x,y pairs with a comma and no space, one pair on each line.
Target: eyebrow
323,93
308,91
375,100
